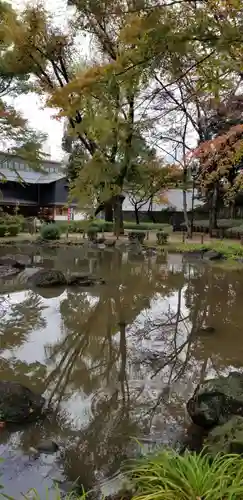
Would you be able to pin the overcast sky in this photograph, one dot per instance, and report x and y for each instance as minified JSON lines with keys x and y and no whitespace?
{"x":31,"y":106}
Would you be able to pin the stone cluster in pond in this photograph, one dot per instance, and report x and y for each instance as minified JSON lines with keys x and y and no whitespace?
{"x":217,"y":407}
{"x":46,"y":278}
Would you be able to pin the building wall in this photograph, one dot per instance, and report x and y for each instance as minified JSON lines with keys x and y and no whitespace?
{"x":61,"y":214}
{"x":12,"y":190}
{"x":61,"y":191}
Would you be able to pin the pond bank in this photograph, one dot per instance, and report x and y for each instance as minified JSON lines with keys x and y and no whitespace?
{"x":221,"y":253}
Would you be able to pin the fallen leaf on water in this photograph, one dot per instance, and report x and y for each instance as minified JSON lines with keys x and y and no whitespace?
{"x":2,"y":425}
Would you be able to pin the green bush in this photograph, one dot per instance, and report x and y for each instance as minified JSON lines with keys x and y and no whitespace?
{"x":3,"y":230}
{"x":235,"y":231}
{"x":147,"y":226}
{"x":137,"y":236}
{"x":50,"y":232}
{"x":168,"y":475}
{"x":6,"y":218}
{"x":13,"y":229}
{"x":162,"y":238}
{"x":108,"y":227}
{"x":92,"y":233}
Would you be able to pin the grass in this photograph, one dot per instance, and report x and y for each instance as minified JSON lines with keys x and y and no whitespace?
{"x":228,"y":249}
{"x":167,"y":475}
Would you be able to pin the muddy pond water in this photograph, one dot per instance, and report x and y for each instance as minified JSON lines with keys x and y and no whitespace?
{"x":116,"y":361}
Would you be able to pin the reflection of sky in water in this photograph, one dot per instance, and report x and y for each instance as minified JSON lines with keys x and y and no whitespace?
{"x":34,"y":350}
{"x":78,"y":404}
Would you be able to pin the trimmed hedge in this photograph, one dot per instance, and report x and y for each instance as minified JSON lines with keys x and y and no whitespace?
{"x":108,"y":227}
{"x":137,"y":236}
{"x":3,"y":230}
{"x":50,"y":232}
{"x":13,"y":229}
{"x":235,"y":231}
{"x":162,"y":238}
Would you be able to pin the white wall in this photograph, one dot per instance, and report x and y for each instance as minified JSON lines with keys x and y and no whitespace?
{"x":77,"y":216}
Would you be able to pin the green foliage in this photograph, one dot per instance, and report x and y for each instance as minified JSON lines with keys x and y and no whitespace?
{"x":148,"y":226}
{"x":229,"y":250}
{"x":13,"y":229}
{"x":6,"y":218}
{"x":3,"y":230}
{"x":92,"y":233}
{"x":235,"y":230}
{"x":137,"y":236}
{"x":162,"y":238}
{"x":50,"y":232}
{"x":108,"y":227}
{"x":168,"y":475}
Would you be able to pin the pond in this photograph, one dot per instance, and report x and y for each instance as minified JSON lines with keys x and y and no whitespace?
{"x":117,"y":361}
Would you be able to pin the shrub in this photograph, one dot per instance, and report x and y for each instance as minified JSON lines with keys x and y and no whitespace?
{"x":92,"y":233}
{"x":13,"y":229}
{"x":169,"y":475}
{"x":3,"y":230}
{"x":147,"y":226}
{"x":137,"y":236}
{"x":162,"y":238}
{"x":50,"y":232}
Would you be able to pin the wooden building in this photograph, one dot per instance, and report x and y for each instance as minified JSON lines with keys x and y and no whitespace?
{"x":43,"y":193}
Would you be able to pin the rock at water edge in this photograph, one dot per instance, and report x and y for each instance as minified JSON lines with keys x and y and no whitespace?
{"x":226,"y":438}
{"x":215,"y":400}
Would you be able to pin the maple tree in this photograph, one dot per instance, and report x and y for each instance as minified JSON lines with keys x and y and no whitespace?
{"x":143,"y":56}
{"x":16,"y":134}
{"x":105,"y":102}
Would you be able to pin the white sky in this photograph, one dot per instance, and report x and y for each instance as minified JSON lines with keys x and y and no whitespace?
{"x":31,"y":106}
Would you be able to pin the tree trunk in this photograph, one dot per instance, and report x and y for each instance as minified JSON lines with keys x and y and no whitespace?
{"x":150,"y":208}
{"x":186,"y":220}
{"x":213,"y":210}
{"x":108,"y":212}
{"x":136,"y":214}
{"x":118,"y":215}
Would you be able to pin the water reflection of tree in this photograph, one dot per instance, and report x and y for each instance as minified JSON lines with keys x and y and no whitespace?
{"x":17,"y":322}
{"x":20,"y":319}
{"x":216,"y":297}
{"x":93,"y":357}
{"x":99,"y":356}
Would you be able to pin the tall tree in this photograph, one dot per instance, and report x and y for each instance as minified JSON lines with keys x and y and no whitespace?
{"x":107,"y":103}
{"x":15,"y":134}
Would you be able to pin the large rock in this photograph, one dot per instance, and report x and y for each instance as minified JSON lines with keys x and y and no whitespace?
{"x":18,"y":403}
{"x":11,"y":262}
{"x":7,"y":271}
{"x":78,"y":279}
{"x":215,"y":400}
{"x":47,"y":278}
{"x":226,"y":438}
